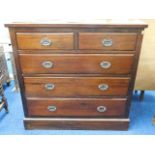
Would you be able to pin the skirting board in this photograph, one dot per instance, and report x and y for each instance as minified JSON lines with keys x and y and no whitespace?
{"x":76,"y":123}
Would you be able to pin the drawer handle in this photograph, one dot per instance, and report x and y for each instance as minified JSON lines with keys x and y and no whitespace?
{"x":46,"y":42}
{"x":103,"y":87}
{"x":49,"y":86}
{"x":52,"y":108}
{"x":101,"y":108}
{"x":107,"y":42}
{"x":47,"y":64}
{"x":105,"y":64}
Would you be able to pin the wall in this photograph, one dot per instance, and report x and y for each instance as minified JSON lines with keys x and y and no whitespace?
{"x":146,"y":70}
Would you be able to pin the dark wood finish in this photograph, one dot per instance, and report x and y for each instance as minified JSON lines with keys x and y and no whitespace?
{"x":73,"y":63}
{"x":33,"y":40}
{"x":127,"y":39}
{"x":121,"y":41}
{"x":76,"y":107}
{"x":77,"y":51}
{"x":76,"y":123}
{"x":77,"y":75}
{"x":75,"y":86}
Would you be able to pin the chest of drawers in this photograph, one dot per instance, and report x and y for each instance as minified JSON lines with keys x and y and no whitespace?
{"x":76,"y":75}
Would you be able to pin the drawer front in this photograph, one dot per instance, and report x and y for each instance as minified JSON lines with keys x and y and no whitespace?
{"x":45,"y":40}
{"x":75,"y":86}
{"x":76,"y":63}
{"x":107,"y":41}
{"x":88,"y":107}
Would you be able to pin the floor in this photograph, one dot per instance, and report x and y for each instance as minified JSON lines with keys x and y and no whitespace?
{"x":141,"y":116}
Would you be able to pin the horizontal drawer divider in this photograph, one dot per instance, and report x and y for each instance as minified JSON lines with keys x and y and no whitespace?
{"x":81,"y":77}
{"x":82,"y":97}
{"x":77,"y":98}
{"x":73,"y":52}
{"x":78,"y":119}
{"x":77,"y":75}
{"x":81,"y":54}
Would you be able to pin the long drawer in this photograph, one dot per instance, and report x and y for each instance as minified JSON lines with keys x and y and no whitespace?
{"x":45,"y":40}
{"x":107,"y":41}
{"x":75,"y":86}
{"x":76,"y":63}
{"x":87,"y":107}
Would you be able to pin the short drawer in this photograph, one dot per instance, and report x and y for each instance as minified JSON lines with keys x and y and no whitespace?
{"x":76,"y":63}
{"x":107,"y":41}
{"x":75,"y":86}
{"x":45,"y":41}
{"x":87,"y":107}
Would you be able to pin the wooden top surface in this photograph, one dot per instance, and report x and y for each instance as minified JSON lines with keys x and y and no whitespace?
{"x":81,"y":23}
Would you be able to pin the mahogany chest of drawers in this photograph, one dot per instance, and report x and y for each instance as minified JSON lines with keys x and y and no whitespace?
{"x":76,"y":75}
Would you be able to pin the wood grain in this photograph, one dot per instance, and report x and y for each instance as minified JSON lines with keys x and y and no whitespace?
{"x":32,"y":40}
{"x":75,"y":86}
{"x":78,"y":64}
{"x":76,"y":107}
{"x":76,"y":123}
{"x":121,"y":41}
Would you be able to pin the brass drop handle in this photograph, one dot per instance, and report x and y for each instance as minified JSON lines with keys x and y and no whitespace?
{"x":47,"y":64}
{"x":107,"y":42}
{"x":105,"y":64}
{"x":46,"y":42}
{"x":101,"y":108}
{"x":49,"y":86}
{"x":52,"y":108}
{"x":103,"y":87}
